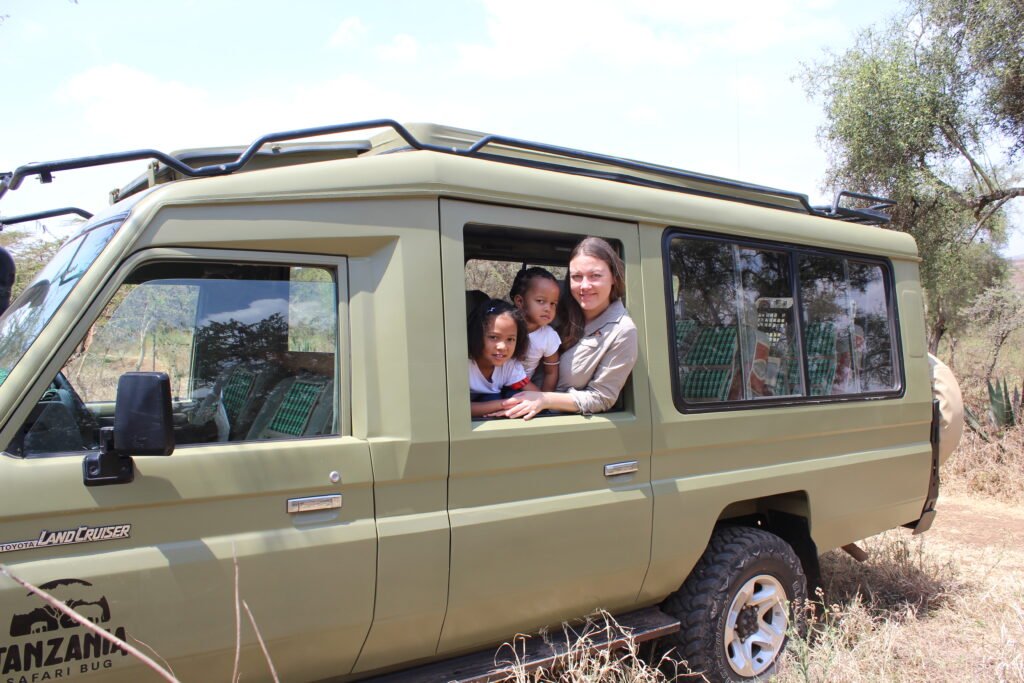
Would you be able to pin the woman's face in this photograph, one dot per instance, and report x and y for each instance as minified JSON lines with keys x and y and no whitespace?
{"x":590,"y":282}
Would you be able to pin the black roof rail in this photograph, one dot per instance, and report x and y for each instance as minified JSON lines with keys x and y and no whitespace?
{"x":641,"y":166}
{"x":41,"y":215}
{"x":46,"y":169}
{"x":704,"y":185}
{"x":871,"y":215}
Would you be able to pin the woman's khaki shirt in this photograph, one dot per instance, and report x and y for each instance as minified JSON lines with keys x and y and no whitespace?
{"x":594,"y":371}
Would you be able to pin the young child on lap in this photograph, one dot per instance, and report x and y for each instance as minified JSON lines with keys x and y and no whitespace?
{"x":535,"y":293}
{"x":498,"y":340}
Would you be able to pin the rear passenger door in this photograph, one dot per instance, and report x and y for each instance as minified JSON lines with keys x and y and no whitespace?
{"x":265,"y":474}
{"x":540,"y":532}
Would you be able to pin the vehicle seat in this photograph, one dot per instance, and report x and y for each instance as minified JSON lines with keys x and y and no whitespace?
{"x":709,"y":365}
{"x":820,"y":347}
{"x":242,"y":388}
{"x":298,"y":406}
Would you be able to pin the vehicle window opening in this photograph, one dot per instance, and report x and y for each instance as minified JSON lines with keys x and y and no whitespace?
{"x":250,"y":351}
{"x":750,"y":323}
{"x":493,"y":256}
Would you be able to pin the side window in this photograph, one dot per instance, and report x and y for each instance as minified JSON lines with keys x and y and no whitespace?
{"x":736,"y":323}
{"x":847,"y":326}
{"x":250,"y":350}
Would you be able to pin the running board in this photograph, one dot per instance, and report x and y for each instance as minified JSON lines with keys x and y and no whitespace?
{"x":532,"y":652}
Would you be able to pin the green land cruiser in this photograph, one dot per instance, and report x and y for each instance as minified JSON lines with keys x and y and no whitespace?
{"x":289,"y":319}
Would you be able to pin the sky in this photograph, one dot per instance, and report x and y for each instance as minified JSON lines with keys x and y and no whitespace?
{"x":712,"y":87}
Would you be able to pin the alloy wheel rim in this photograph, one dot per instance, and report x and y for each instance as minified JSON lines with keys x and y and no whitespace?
{"x":755,"y":628}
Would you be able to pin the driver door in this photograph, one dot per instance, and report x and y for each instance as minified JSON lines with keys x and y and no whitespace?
{"x":266,"y":483}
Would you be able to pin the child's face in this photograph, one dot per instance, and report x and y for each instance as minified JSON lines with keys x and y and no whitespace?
{"x":500,"y":339}
{"x":539,"y":303}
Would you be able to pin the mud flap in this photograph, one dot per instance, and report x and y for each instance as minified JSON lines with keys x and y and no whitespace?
{"x":924,"y":523}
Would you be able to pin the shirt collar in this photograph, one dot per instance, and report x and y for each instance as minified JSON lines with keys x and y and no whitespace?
{"x":612,"y":314}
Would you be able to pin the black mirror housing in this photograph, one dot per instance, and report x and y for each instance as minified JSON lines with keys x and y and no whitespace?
{"x":143,"y":424}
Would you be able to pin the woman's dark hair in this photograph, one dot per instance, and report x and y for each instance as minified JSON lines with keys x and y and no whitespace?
{"x":521,"y":284}
{"x":481,"y":318}
{"x":570,"y":315}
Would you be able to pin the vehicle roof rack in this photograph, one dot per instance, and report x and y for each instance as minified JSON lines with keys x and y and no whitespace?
{"x":276,"y":155}
{"x":491,"y":147}
{"x":42,"y":215}
{"x":876,"y":214}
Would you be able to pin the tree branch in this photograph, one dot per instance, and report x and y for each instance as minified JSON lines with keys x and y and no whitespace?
{"x":999,"y":195}
{"x":954,"y":139}
{"x":983,"y":219}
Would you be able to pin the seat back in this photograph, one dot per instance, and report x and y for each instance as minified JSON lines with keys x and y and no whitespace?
{"x":709,"y":364}
{"x":298,"y":406}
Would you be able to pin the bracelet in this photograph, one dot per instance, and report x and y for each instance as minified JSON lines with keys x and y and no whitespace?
{"x":552,"y":363}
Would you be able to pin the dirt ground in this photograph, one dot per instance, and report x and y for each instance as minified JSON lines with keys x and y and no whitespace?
{"x":986,"y":537}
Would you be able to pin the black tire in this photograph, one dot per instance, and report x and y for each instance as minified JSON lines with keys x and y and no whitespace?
{"x":738,"y":559}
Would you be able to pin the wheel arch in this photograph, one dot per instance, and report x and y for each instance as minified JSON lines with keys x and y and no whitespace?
{"x":788,"y":516}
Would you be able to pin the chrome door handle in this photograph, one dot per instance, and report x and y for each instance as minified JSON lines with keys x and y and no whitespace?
{"x":314,"y":503}
{"x":617,"y":468}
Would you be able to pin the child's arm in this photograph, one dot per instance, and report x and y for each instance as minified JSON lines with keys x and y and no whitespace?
{"x":493,"y":408}
{"x":484,"y":408}
{"x":550,"y":364}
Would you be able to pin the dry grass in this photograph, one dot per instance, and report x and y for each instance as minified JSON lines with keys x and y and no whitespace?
{"x":910,"y":614}
{"x":992,"y":470}
{"x":583,"y":665}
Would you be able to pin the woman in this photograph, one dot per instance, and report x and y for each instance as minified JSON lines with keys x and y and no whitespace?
{"x":599,"y":340}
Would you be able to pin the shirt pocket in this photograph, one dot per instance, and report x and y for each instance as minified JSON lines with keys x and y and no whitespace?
{"x":585,"y":357}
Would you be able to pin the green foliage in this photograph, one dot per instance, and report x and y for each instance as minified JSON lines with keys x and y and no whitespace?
{"x":928,"y":111}
{"x":31,"y":252}
{"x":997,"y":313}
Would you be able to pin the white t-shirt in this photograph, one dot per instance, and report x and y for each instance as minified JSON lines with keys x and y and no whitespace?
{"x":544,"y":342}
{"x":511,"y":374}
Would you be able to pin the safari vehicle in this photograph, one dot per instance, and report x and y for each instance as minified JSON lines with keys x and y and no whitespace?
{"x":290,"y":321}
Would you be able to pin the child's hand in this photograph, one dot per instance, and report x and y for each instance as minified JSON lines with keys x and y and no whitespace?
{"x":525,"y":404}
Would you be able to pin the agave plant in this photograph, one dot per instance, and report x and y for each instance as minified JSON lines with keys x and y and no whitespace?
{"x":1003,"y":407}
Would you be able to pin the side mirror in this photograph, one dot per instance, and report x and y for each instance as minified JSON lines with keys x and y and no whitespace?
{"x":143,"y":425}
{"x":142,"y":414}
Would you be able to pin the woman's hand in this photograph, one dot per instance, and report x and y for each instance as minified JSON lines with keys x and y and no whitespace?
{"x":525,"y":404}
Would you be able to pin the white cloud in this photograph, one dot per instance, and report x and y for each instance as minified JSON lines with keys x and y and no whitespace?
{"x":403,"y":48}
{"x":258,"y":310}
{"x":538,"y":36}
{"x":541,"y":35}
{"x":349,"y":31}
{"x":128,"y":105}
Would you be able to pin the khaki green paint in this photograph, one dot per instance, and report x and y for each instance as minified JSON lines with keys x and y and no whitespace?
{"x":454,"y":534}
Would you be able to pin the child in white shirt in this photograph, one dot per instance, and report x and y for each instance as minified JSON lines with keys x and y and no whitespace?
{"x":535,"y":292}
{"x":497,"y":341}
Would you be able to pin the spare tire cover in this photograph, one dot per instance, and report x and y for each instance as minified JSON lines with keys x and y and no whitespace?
{"x":946,"y":390}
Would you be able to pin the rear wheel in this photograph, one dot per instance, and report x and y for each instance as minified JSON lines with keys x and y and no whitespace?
{"x":738,"y":604}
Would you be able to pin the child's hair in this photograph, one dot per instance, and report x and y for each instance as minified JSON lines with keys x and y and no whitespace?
{"x":521,"y":284}
{"x":481,"y":318}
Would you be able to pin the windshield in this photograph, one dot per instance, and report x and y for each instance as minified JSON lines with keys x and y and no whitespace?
{"x":24,"y":320}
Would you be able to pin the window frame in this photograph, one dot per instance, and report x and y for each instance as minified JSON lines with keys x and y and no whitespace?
{"x":793,"y":251}
{"x":336,"y":265}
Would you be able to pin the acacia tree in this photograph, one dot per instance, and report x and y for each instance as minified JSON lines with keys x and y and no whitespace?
{"x":929,"y":110}
{"x":999,"y":312}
